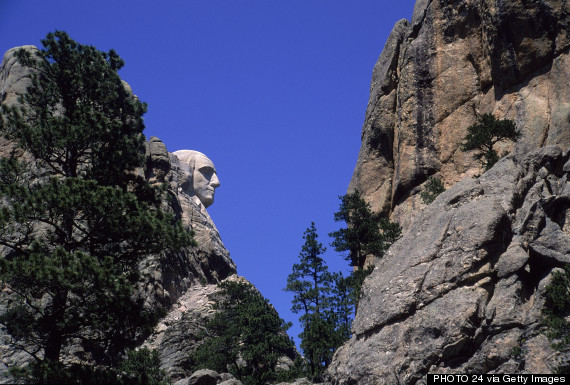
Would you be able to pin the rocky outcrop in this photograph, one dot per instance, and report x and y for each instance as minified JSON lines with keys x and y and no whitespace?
{"x":183,"y":282}
{"x":14,"y":78}
{"x":456,"y":60}
{"x":209,"y":377}
{"x":180,"y":332}
{"x":207,"y":263}
{"x":463,"y":290}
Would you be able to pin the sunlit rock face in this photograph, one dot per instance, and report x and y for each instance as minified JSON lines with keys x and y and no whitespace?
{"x":454,"y":61}
{"x":209,"y":261}
{"x":463,"y":290}
{"x":202,"y":177}
{"x":185,"y":281}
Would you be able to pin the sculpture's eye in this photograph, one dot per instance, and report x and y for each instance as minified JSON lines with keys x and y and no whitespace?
{"x":207,"y":172}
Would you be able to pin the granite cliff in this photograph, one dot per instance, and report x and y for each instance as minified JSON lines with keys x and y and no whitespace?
{"x":463,"y":290}
{"x":456,"y":60}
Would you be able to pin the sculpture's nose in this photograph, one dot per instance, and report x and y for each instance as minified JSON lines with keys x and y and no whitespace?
{"x":215,"y":183}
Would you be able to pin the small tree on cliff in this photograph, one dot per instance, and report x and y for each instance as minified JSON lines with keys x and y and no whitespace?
{"x":433,"y":187}
{"x":75,"y":224}
{"x":556,"y":312}
{"x":484,"y":134}
{"x":366,"y":234}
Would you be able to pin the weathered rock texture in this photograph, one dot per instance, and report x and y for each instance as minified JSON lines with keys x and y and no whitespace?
{"x":455,"y":60}
{"x":183,"y":282}
{"x":462,"y":291}
{"x":209,"y":262}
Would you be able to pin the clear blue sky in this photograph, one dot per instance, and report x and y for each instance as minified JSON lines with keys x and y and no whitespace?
{"x":274,"y":92}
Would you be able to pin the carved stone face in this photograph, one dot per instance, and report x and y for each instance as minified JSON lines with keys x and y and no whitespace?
{"x":202,"y":175}
{"x":205,"y":180}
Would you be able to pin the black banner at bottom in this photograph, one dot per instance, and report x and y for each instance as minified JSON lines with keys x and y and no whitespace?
{"x":524,"y":379}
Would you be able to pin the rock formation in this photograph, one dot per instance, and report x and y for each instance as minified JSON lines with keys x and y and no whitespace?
{"x":462,"y":291}
{"x":209,"y":262}
{"x":187,"y":279}
{"x":456,"y":60}
{"x":184,"y":282}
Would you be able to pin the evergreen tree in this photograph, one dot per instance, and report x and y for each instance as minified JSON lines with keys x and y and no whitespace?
{"x":141,"y":367}
{"x":366,"y":234}
{"x":556,"y":313}
{"x":433,"y":187}
{"x":484,"y":134}
{"x":245,"y":337}
{"x":76,"y":223}
{"x":311,"y":282}
{"x":343,"y":300}
{"x":354,"y":281}
{"x":319,"y":341}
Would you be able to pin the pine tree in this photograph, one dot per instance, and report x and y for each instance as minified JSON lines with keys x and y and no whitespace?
{"x":141,"y":367}
{"x":312,"y":283}
{"x":343,"y":299}
{"x":556,"y":312}
{"x":77,"y":221}
{"x":433,"y":187}
{"x":366,"y":234}
{"x":310,"y":280}
{"x":245,"y":337}
{"x":484,"y":134}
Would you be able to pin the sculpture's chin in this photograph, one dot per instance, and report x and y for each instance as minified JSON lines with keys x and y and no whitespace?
{"x":206,"y":200}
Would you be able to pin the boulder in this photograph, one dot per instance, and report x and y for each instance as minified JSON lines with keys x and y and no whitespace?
{"x":204,"y":377}
{"x":231,"y":381}
{"x":299,"y":381}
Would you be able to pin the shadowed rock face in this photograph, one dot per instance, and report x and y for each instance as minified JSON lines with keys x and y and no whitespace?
{"x":453,"y":61}
{"x":464,"y":287}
